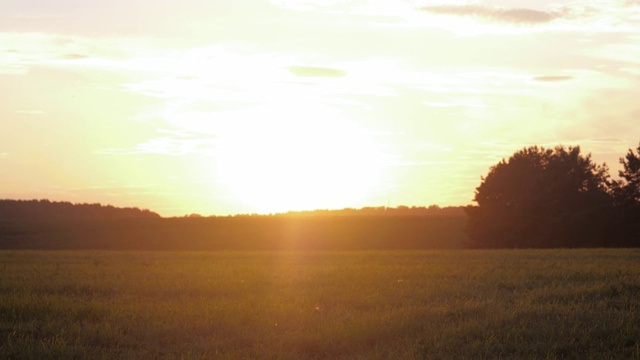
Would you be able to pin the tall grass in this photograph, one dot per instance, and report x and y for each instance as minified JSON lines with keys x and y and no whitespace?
{"x":561,"y":304}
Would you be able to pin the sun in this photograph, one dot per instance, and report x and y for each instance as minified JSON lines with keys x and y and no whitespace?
{"x":289,"y":162}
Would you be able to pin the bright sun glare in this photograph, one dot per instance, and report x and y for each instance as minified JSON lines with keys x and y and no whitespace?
{"x":289,"y":162}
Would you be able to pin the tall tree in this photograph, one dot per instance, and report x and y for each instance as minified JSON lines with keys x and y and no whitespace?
{"x":628,"y":190}
{"x":543,"y":198}
{"x":627,"y":193}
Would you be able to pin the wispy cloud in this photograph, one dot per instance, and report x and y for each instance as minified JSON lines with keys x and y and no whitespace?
{"x":307,"y":5}
{"x":172,"y":146}
{"x":509,"y":15}
{"x":219,"y":76}
{"x":461,"y":104}
{"x":172,"y":143}
{"x":588,"y":16}
{"x":74,"y":56}
{"x":314,"y":71}
{"x":553,"y":78}
{"x":138,"y":56}
{"x":24,"y":51}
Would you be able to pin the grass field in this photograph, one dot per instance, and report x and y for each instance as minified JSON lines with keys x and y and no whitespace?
{"x":447,"y":304}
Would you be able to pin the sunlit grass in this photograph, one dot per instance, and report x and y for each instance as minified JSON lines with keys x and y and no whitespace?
{"x":297,"y":305}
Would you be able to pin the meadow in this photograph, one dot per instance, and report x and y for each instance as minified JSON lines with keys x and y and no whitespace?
{"x":431,"y":304}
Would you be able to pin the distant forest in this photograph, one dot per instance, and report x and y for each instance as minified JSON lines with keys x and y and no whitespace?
{"x":433,"y":210}
{"x":51,"y":210}
{"x":42,"y":224}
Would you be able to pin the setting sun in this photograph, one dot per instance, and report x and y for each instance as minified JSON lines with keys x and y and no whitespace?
{"x":297,"y":162}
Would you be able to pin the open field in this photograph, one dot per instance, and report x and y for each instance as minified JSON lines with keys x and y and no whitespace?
{"x":443,"y":304}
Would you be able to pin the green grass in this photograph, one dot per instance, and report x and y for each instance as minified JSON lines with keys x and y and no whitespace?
{"x":464,"y":304}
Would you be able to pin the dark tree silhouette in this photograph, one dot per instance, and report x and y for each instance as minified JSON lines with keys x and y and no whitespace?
{"x":543,"y":198}
{"x":50,"y":210}
{"x":628,"y":189}
{"x":627,"y":193}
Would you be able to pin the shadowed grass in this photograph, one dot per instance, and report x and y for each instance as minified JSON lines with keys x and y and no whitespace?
{"x":316,"y":305}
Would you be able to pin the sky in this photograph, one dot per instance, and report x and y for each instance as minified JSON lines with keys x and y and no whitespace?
{"x":261,"y":106}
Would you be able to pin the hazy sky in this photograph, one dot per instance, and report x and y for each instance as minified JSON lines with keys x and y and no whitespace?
{"x":241,"y":106}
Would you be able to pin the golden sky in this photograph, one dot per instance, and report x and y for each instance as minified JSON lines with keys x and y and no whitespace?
{"x":223,"y":107}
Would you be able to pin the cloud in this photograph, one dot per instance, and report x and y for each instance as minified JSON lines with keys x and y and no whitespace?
{"x":553,"y":78}
{"x":513,"y":15}
{"x":307,"y":5}
{"x":590,"y":17}
{"x":25,"y":51}
{"x":313,"y":71}
{"x":468,"y":104}
{"x":74,"y":56}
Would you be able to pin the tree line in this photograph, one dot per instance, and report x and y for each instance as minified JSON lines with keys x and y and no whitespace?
{"x":50,"y":210}
{"x":432,"y":210}
{"x":541,"y":197}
